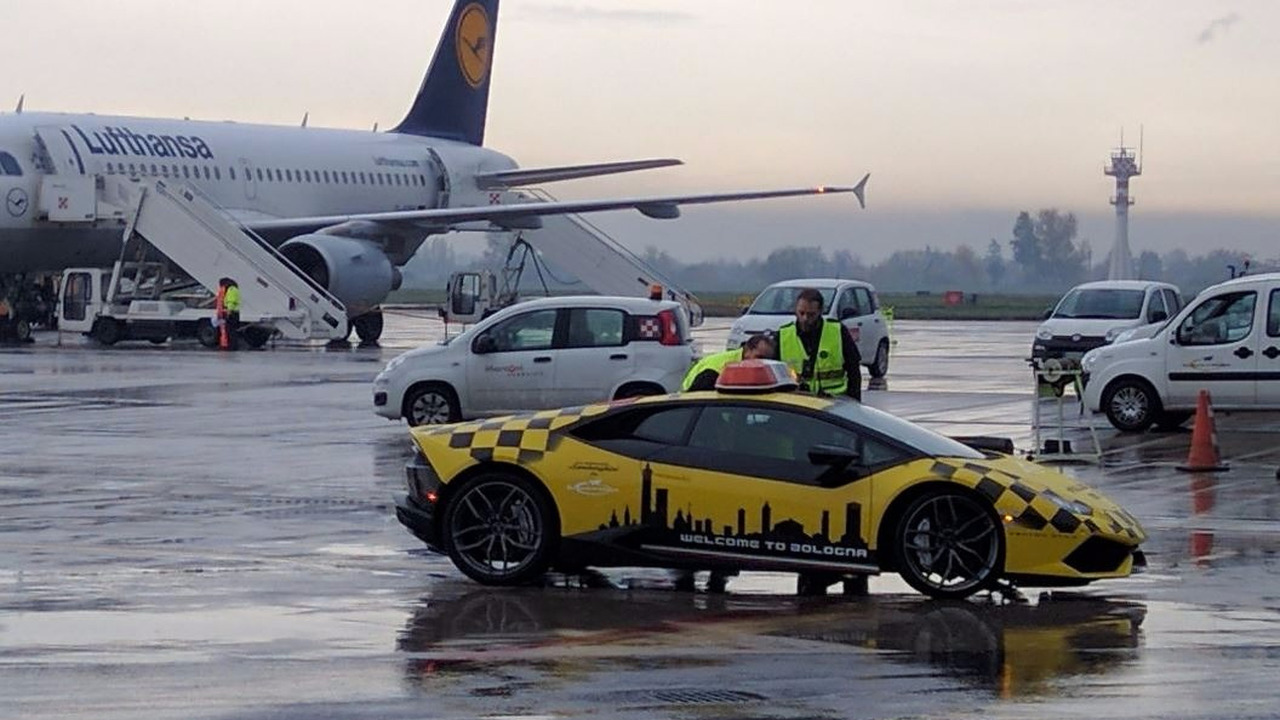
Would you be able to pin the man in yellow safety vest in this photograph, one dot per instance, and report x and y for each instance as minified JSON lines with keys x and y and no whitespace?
{"x":822,"y":353}
{"x":703,"y":375}
{"x":231,"y":300}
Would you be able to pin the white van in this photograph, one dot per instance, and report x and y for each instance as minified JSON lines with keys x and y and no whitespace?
{"x":1096,"y":313}
{"x":852,"y":302}
{"x":1226,"y":341}
{"x":538,"y":355}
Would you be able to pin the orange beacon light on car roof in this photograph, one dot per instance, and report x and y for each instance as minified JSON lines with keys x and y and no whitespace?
{"x":748,"y":376}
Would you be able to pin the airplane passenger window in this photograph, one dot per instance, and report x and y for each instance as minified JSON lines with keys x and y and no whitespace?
{"x":326,"y":177}
{"x":186,"y":172}
{"x":307,"y":174}
{"x":232,"y":170}
{"x":288,"y":175}
{"x":9,"y":164}
{"x":279,"y":175}
{"x":132,"y":169}
{"x":259,"y":173}
{"x":154,"y":171}
{"x":206,"y":172}
{"x":217,"y":173}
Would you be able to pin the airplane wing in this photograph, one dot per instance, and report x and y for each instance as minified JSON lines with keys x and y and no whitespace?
{"x":524,"y":215}
{"x":538,"y":176}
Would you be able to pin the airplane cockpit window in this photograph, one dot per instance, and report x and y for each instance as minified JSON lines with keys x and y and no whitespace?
{"x":9,"y":165}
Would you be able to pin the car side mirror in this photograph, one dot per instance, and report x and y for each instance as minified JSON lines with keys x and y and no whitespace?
{"x":484,"y":344}
{"x":833,"y":456}
{"x":1048,"y":313}
{"x":847,"y":313}
{"x":1158,"y":316}
{"x":744,"y":310}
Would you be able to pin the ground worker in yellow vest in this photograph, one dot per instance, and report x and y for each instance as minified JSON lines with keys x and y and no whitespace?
{"x":231,"y":301}
{"x":703,"y":375}
{"x":823,"y":355}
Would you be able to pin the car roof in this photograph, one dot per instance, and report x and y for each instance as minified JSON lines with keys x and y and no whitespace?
{"x":1249,"y":280}
{"x":630,"y":304}
{"x":822,"y":283}
{"x":890,"y":425}
{"x":1123,"y":285}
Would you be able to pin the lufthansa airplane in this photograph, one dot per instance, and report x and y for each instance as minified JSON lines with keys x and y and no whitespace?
{"x":348,"y":207}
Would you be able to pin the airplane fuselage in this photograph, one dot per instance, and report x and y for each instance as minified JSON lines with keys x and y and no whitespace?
{"x":254,"y":171}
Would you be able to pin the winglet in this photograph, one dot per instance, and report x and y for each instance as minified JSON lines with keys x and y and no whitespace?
{"x":21,"y":99}
{"x":860,"y":190}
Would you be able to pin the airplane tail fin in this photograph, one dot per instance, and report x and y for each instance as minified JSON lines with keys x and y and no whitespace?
{"x":454,"y":97}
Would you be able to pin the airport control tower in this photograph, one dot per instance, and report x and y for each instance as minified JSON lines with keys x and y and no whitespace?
{"x":1124,"y":165}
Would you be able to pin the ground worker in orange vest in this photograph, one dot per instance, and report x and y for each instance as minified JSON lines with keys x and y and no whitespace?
{"x":220,"y":314}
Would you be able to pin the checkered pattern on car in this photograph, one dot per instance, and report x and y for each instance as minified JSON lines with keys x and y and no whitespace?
{"x":518,"y":439}
{"x":1034,"y":508}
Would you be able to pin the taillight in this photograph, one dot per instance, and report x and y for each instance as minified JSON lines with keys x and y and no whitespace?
{"x":670,"y":327}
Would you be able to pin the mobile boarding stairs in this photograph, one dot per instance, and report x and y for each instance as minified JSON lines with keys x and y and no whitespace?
{"x":207,"y":244}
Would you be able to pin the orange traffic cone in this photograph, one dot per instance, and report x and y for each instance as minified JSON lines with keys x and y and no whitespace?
{"x":1204,"y":456}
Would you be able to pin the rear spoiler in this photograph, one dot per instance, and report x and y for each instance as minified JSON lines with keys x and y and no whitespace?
{"x":985,"y":443}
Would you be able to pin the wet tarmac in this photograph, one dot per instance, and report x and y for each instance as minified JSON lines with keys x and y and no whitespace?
{"x":188,"y":534}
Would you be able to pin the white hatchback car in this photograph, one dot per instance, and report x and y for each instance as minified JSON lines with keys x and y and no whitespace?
{"x":1097,"y":313}
{"x":1226,"y":341}
{"x":852,"y":302}
{"x":541,"y":354}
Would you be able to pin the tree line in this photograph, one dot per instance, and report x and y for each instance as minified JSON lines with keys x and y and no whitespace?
{"x":1041,"y":255}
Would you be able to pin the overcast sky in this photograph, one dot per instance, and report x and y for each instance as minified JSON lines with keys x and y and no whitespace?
{"x":964,"y":111}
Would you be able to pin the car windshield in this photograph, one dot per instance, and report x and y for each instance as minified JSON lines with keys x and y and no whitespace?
{"x":926,"y":441}
{"x":779,"y":300}
{"x":1100,"y":304}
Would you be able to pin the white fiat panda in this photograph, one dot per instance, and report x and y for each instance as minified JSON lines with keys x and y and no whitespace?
{"x":1096,"y":313}
{"x":852,"y":302}
{"x":538,"y":355}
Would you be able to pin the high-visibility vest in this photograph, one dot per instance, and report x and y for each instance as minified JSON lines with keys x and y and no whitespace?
{"x":232,"y":299}
{"x":711,"y":362}
{"x":828,"y":371}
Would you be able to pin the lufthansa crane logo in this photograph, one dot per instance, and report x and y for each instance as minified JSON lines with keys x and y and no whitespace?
{"x":475,"y":44}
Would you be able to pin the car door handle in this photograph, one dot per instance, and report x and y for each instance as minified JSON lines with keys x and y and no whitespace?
{"x":618,"y":356}
{"x":1243,"y":352}
{"x":1272,"y":353}
{"x":542,"y":359}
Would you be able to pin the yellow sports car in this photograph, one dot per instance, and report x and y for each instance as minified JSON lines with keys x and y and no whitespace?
{"x":750,"y":477}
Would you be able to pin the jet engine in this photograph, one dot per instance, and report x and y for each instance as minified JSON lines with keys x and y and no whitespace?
{"x":357,"y":272}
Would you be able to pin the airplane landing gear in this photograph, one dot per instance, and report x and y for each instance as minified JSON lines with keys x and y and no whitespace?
{"x":368,"y":326}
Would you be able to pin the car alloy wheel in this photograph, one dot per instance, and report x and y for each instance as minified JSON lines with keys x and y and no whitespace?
{"x":499,"y":530}
{"x":950,"y":545}
{"x":880,"y":366}
{"x":431,"y":406}
{"x":1131,"y":406}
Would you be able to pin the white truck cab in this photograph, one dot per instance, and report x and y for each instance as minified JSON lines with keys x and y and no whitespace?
{"x":541,"y":354}
{"x":1226,"y":341}
{"x":1096,"y":313}
{"x":852,"y":302}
